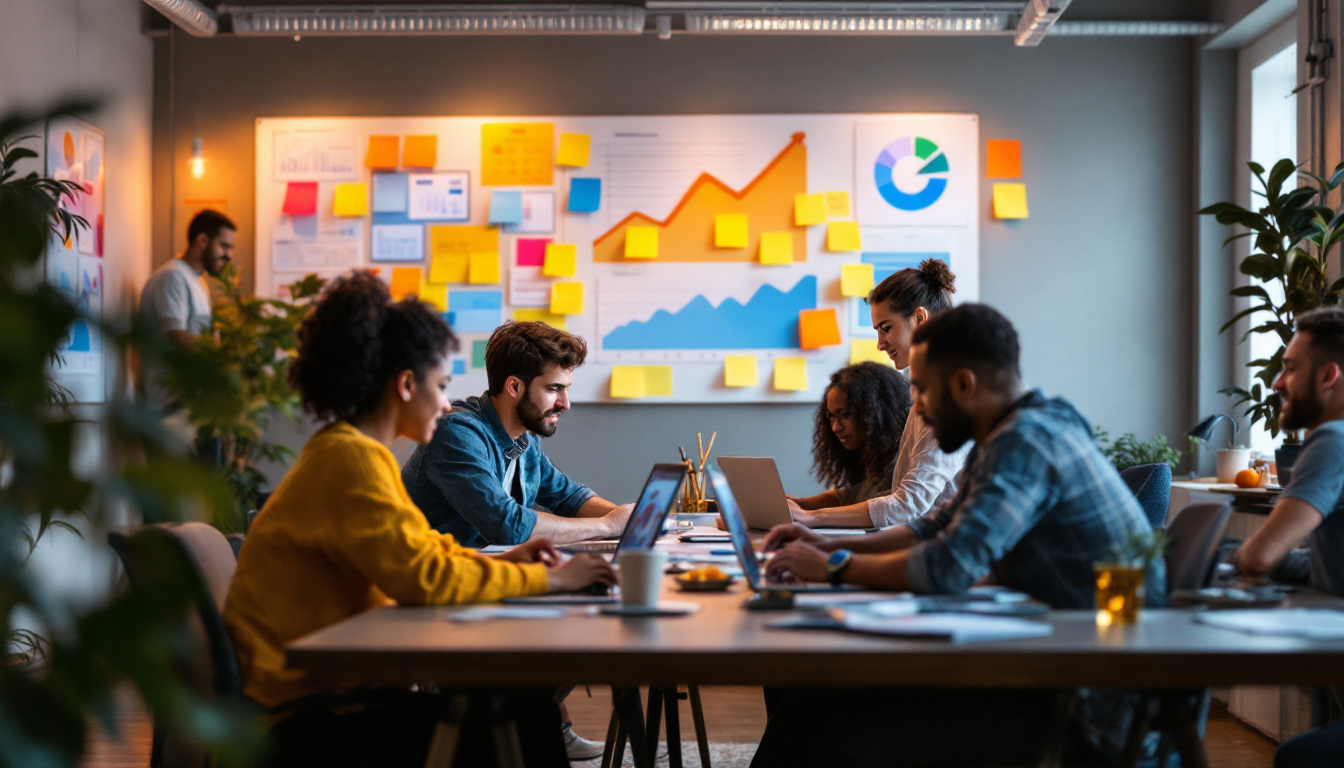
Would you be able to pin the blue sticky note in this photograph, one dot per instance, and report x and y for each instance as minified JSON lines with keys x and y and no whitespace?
{"x":476,"y":311}
{"x":585,"y":195}
{"x":506,"y":207}
{"x":305,"y":226}
{"x":391,"y":192}
{"x":459,"y":367}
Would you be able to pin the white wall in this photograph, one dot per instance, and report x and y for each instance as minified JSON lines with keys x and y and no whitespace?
{"x":55,"y":49}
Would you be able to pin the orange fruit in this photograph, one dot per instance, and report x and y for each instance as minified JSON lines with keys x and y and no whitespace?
{"x":1247,"y":478}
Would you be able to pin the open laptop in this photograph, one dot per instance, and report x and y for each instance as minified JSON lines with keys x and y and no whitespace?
{"x":650,"y":513}
{"x":760,"y":494}
{"x":746,"y":554}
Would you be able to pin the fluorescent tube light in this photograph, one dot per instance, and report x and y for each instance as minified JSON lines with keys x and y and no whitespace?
{"x":437,"y":20}
{"x":1136,"y":28}
{"x":1037,"y":19}
{"x":190,"y":15}
{"x":785,"y":22}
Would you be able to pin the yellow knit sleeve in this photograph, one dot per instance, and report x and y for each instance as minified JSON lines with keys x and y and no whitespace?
{"x":383,"y":535}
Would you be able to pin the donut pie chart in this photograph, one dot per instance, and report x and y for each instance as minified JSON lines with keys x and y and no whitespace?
{"x":934,"y":173}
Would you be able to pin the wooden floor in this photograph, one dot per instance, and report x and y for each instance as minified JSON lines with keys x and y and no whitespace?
{"x":732,"y":715}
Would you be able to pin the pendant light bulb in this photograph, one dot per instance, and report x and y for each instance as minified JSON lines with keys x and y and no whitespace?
{"x":197,"y":158}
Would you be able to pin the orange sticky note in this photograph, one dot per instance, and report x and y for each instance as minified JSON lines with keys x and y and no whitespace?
{"x":843,"y":236}
{"x":561,"y":260}
{"x":776,"y":248}
{"x":421,"y":152}
{"x":818,"y":328}
{"x":567,"y":298}
{"x":484,"y":268}
{"x":641,"y":242}
{"x":809,"y":209}
{"x":405,"y":281}
{"x":1003,"y":159}
{"x":382,"y":152}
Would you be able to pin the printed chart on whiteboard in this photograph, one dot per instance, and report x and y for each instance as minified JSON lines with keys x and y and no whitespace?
{"x":703,"y":258}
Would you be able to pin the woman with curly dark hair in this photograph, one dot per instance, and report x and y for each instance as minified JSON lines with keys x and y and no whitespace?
{"x":340,"y":535}
{"x":923,"y":473}
{"x":856,"y":434}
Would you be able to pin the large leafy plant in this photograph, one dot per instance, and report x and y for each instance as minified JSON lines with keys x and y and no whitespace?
{"x":253,"y":342}
{"x":1129,"y":451}
{"x":1293,"y":236}
{"x":136,"y":637}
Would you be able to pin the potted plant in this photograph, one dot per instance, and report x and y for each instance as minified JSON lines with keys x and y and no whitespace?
{"x":1129,"y":451}
{"x":253,"y":341}
{"x":1293,"y":236}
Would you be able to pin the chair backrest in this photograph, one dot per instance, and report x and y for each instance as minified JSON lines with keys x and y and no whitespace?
{"x":145,"y":552}
{"x":1192,"y":544}
{"x":1151,"y":484}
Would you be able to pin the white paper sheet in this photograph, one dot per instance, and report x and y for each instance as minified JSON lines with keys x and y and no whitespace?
{"x":1308,"y":623}
{"x":397,"y":242}
{"x":439,"y":197}
{"x":958,"y":628}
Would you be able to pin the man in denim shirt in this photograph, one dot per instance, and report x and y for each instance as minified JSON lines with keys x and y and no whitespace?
{"x":481,"y":476}
{"x":1036,"y":506}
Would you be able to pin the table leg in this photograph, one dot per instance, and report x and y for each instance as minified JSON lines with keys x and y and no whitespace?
{"x":630,"y":710}
{"x":653,"y":722}
{"x":671,"y":703}
{"x":447,"y":733}
{"x":1059,"y":742}
{"x":1185,"y":730}
{"x":698,"y":715}
{"x":508,"y":748}
{"x":613,"y":733}
{"x":1138,"y":729}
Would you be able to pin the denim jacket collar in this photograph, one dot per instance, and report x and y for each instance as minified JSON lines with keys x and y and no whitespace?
{"x":511,"y":448}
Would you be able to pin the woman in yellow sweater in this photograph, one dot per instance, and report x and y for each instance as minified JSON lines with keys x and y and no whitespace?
{"x":340,"y":535}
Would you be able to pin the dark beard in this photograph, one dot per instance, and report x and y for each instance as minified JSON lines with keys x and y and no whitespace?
{"x":951,"y":428}
{"x":533,"y":418}
{"x":1303,"y":411}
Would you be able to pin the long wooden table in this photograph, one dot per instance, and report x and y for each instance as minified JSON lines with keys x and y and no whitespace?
{"x":723,"y":644}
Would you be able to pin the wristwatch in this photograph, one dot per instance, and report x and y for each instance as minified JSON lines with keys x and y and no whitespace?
{"x":836,"y":565}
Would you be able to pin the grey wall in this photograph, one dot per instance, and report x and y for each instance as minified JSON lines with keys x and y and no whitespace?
{"x":1096,"y":281}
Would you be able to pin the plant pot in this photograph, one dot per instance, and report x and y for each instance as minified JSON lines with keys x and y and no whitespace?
{"x":1231,"y":461}
{"x":1284,"y":458}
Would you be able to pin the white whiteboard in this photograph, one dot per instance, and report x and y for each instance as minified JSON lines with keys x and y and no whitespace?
{"x":652,"y":166}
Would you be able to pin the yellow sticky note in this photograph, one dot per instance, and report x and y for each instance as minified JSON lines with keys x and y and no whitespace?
{"x":627,"y":381}
{"x":449,"y":268}
{"x":462,"y":238}
{"x":434,"y":294}
{"x":421,"y":152}
{"x":541,"y":316}
{"x":843,"y":236}
{"x":776,"y":248}
{"x":866,"y":351}
{"x":1010,"y":201}
{"x":818,"y":328}
{"x":484,"y":268}
{"x":791,"y":374}
{"x":657,"y":381}
{"x":740,"y":371}
{"x":405,"y":281}
{"x":837,"y":205}
{"x":730,"y":230}
{"x":561,"y":260}
{"x":567,"y":298}
{"x":809,"y":209}
{"x":351,"y":200}
{"x":856,"y":280}
{"x":517,"y":154}
{"x":641,"y":242}
{"x":574,"y":149}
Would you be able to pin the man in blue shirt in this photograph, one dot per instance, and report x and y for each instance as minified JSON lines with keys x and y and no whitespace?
{"x":1311,"y":397}
{"x":1037,"y":505}
{"x":481,"y":476}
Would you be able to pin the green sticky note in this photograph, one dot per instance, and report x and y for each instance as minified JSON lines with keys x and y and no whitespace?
{"x":478,"y":354}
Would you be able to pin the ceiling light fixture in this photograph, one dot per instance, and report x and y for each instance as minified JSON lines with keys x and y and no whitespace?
{"x":1037,"y":19}
{"x":436,"y":20}
{"x":917,"y":18}
{"x":1136,"y":28}
{"x":197,"y":158}
{"x":190,"y":15}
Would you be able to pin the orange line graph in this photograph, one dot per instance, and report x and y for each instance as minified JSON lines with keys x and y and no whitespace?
{"x":688,"y":231}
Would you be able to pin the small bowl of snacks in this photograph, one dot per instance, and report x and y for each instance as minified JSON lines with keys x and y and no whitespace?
{"x":707,"y":579}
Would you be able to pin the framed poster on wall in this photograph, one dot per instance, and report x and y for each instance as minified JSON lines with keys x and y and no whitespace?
{"x":75,"y":152}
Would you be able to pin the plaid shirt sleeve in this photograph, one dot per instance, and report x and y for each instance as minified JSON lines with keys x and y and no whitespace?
{"x":1007,"y":488}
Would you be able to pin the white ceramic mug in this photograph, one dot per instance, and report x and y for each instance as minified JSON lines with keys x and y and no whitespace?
{"x":641,"y":575}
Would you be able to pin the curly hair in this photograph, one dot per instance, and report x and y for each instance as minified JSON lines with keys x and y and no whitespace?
{"x":879,"y":398}
{"x":354,"y":340}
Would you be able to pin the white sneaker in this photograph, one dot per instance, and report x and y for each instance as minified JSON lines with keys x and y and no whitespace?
{"x":579,"y":748}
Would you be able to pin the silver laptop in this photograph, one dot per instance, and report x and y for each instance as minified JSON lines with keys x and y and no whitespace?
{"x":746,"y":554}
{"x":758,"y":491}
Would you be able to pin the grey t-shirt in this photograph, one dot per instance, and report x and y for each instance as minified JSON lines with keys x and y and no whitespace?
{"x":176,"y":297}
{"x":1318,"y":480}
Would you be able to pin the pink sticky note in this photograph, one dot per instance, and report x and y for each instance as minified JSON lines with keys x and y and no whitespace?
{"x":300,"y":198}
{"x":532,"y":251}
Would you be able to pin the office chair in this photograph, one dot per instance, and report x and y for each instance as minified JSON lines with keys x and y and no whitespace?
{"x":1151,"y":485}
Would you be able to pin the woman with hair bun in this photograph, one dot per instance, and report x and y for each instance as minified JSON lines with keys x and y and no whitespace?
{"x":923,"y":474}
{"x":340,"y":536}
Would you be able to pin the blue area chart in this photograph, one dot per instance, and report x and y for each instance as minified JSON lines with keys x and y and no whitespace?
{"x":933,"y":172}
{"x":769,"y":320}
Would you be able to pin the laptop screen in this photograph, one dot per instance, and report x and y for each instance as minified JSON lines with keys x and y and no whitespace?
{"x":655,"y":501}
{"x":737,"y":527}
